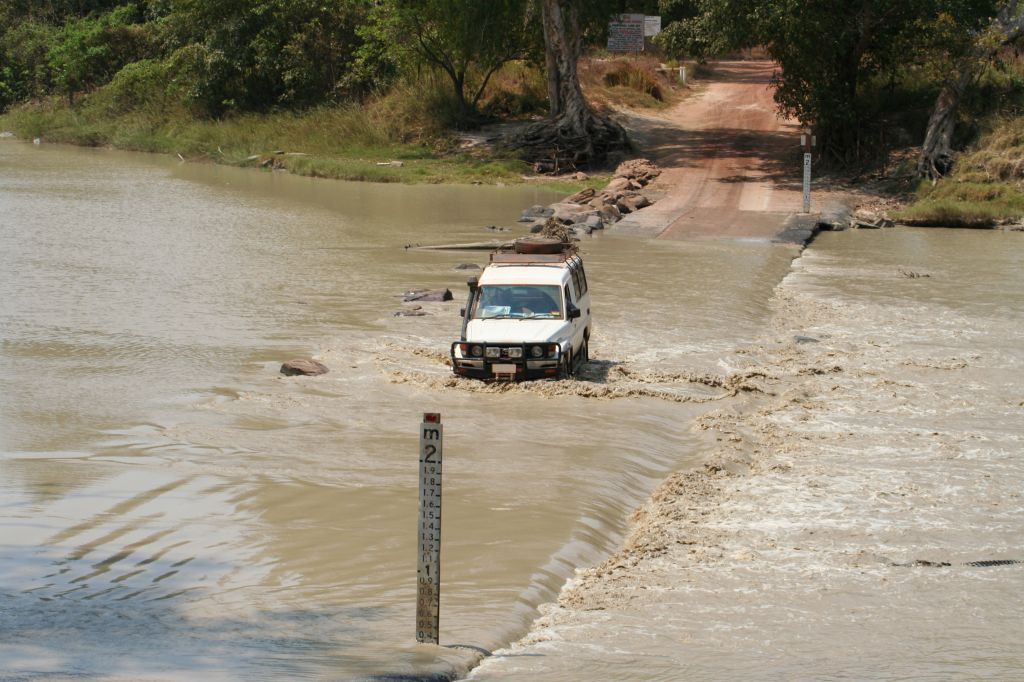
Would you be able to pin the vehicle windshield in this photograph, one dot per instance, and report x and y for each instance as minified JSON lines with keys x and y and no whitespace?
{"x":518,"y":301}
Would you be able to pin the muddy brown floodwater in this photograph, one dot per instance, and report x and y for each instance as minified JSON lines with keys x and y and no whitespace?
{"x":171,"y":507}
{"x":859,"y":518}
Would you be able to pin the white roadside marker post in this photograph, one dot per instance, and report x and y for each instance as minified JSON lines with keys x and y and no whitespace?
{"x":807,"y":141}
{"x":428,"y":569}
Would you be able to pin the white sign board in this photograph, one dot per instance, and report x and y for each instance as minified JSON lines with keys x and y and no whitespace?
{"x":652,"y":26}
{"x":626,"y":33}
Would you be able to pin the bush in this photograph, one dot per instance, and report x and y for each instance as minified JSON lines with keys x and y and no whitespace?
{"x":24,"y":54}
{"x":262,"y":54}
{"x":139,"y":85}
{"x":634,"y":78}
{"x":516,"y":90}
{"x":87,"y":52}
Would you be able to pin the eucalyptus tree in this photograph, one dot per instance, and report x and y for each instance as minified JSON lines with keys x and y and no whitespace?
{"x":573,"y":135}
{"x":1005,"y":28}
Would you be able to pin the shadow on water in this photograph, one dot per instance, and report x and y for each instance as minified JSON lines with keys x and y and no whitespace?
{"x":46,"y":639}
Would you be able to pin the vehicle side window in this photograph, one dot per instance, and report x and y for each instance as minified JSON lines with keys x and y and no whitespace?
{"x":576,"y":283}
{"x":583,"y":279}
{"x":568,"y":296}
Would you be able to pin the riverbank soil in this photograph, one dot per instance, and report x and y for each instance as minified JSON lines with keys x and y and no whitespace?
{"x":858,"y":512}
{"x":731,"y":168}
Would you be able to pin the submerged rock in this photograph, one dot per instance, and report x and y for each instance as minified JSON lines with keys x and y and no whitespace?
{"x":303,"y":367}
{"x":536,"y":211}
{"x":427,"y":295}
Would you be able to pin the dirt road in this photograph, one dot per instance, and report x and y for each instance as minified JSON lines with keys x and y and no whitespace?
{"x":730,"y":165}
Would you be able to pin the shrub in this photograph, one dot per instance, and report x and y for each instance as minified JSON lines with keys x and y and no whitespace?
{"x":88,"y":51}
{"x":138,"y":85}
{"x":26,"y":70}
{"x":517,"y":90}
{"x":635,"y":79}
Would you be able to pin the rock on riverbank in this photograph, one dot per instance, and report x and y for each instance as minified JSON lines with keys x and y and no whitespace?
{"x":591,"y":209}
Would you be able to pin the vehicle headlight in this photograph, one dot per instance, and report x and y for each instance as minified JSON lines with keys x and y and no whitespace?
{"x":536,"y":351}
{"x":515,"y":352}
{"x":493,"y":352}
{"x":476,"y":351}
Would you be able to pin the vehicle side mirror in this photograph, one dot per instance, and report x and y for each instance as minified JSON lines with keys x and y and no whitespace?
{"x":574,"y":312}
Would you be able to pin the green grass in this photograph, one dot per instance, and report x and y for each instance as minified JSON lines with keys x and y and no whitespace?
{"x":986,"y":187}
{"x":404,"y":169}
{"x":956,"y":203}
{"x":326,"y":142}
{"x":394,"y":138}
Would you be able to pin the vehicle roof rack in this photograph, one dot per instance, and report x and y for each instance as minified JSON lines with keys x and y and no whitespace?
{"x":539,"y":251}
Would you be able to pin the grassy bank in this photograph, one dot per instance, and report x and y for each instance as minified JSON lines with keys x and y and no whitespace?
{"x":986,"y":188}
{"x":402,"y":135}
{"x":376,"y":143}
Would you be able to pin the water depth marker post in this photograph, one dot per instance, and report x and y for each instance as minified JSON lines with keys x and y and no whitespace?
{"x":428,"y":569}
{"x":807,"y":142}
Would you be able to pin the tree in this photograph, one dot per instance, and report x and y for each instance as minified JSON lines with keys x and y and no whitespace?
{"x":258,"y":54}
{"x":467,"y":39}
{"x":573,"y":135}
{"x":1006,"y":28}
{"x":831,"y":53}
{"x":24,"y":54}
{"x":704,"y":28}
{"x":90,"y":50}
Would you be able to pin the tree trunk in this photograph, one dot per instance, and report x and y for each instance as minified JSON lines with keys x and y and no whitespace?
{"x":554,"y":87}
{"x":937,"y":152}
{"x":573,"y":136}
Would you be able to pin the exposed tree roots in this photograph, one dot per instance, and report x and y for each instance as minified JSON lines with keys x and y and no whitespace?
{"x":565,"y":143}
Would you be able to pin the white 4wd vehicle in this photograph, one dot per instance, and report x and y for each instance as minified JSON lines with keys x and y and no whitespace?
{"x":528,"y":315}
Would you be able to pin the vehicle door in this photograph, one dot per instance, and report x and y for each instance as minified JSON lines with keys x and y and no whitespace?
{"x":582,"y":298}
{"x":578,"y":325}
